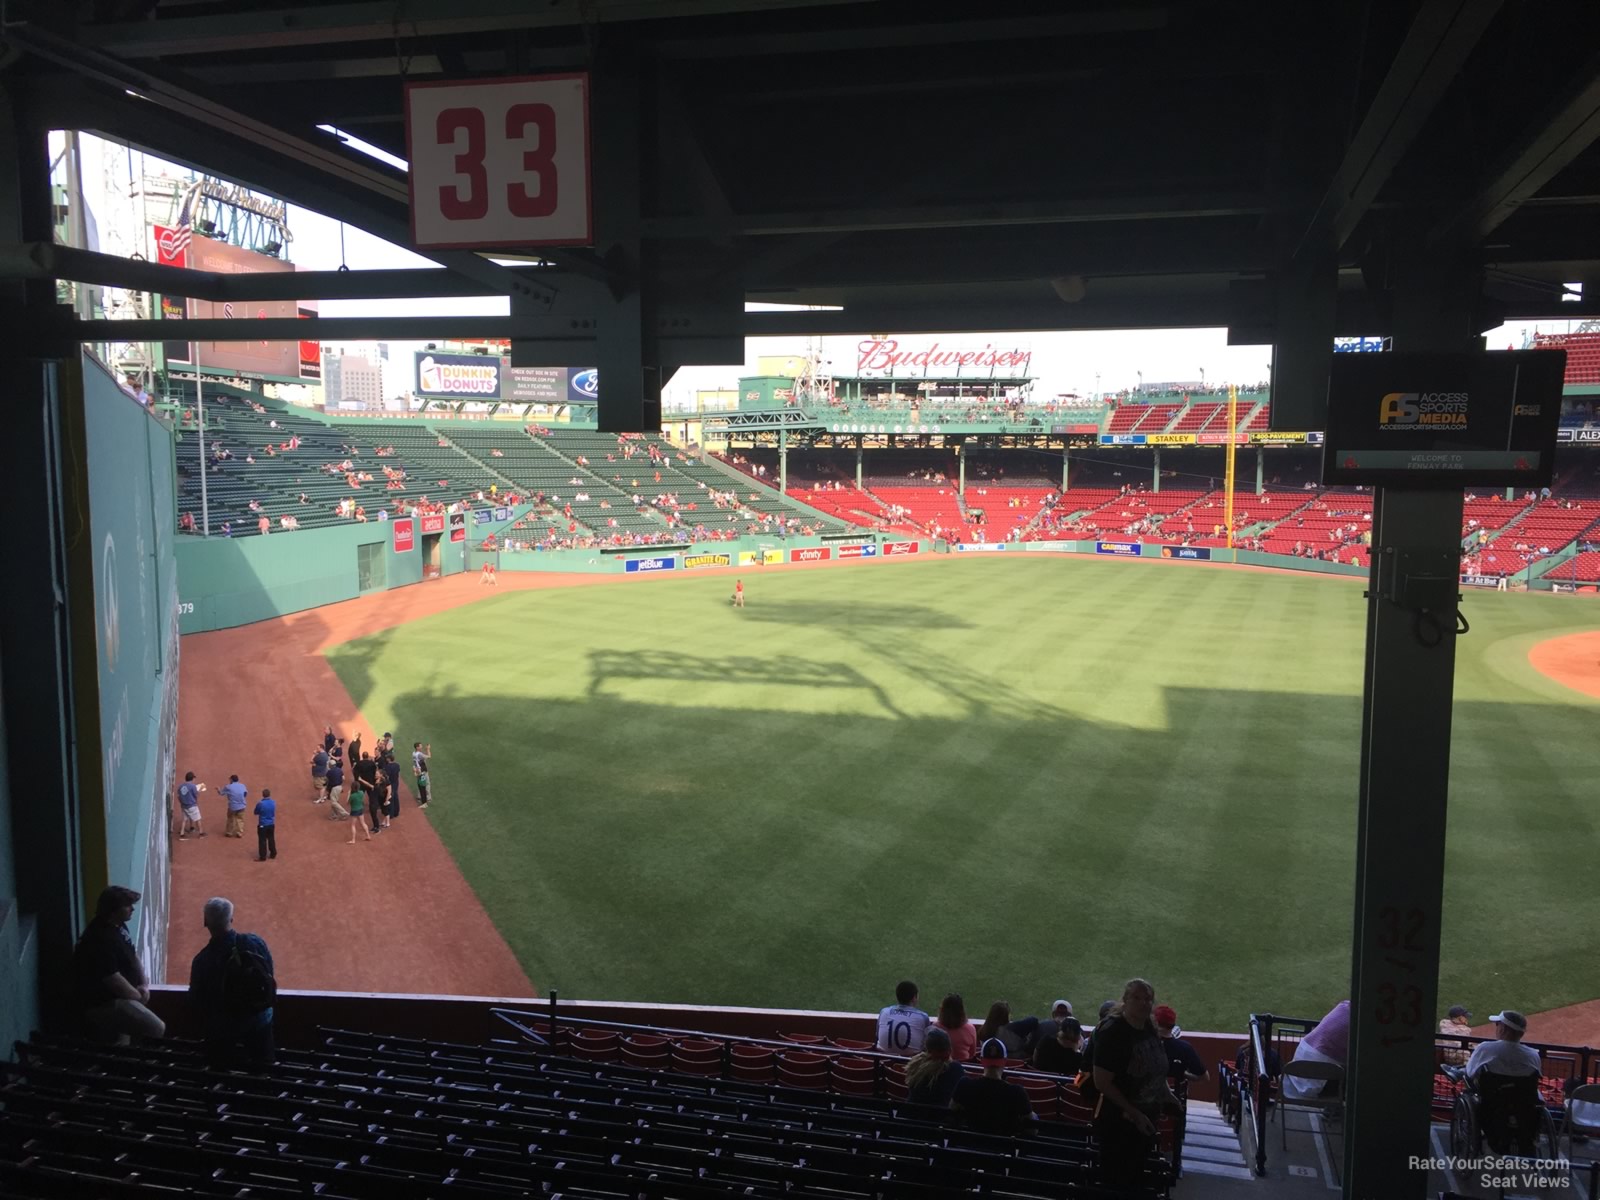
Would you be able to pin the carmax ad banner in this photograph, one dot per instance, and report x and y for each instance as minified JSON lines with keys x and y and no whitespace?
{"x":1122,"y":549}
{"x":441,"y":376}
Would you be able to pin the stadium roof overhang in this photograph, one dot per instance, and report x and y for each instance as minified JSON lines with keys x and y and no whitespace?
{"x":1075,"y":165}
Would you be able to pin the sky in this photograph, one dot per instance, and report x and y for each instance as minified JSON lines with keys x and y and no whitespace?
{"x":1064,"y":362}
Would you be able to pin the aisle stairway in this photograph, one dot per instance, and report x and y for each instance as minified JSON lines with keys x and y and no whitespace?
{"x":1210,"y":1145}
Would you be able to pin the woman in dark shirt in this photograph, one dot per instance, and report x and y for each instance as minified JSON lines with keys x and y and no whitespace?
{"x":1062,"y":1054}
{"x":931,"y":1076}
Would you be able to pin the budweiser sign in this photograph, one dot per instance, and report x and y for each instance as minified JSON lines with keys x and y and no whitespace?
{"x":885,"y":354}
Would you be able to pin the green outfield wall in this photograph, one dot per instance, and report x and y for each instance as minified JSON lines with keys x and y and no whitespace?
{"x":131,"y":522}
{"x":225,"y":582}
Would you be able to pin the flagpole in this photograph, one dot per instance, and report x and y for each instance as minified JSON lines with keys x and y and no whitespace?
{"x":200,"y":413}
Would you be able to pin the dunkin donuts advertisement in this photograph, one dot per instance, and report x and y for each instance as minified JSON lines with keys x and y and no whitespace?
{"x":442,"y":376}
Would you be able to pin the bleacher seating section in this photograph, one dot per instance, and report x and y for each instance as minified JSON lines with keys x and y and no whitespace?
{"x":364,"y":1115}
{"x":1583,"y":354}
{"x":1197,"y":417}
{"x":929,"y":506}
{"x":1581,"y":568}
{"x":459,"y":464}
{"x":276,"y":481}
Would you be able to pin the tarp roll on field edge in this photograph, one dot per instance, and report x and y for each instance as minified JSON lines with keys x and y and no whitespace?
{"x":132,"y":524}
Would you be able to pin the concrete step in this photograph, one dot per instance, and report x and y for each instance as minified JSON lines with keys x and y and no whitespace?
{"x":1210,"y":1145}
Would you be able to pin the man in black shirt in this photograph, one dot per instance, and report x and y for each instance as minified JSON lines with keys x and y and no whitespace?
{"x":990,"y":1104}
{"x":108,"y":981}
{"x":1183,"y":1062}
{"x":1130,"y":1073}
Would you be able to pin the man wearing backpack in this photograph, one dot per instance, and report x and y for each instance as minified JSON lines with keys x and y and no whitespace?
{"x":232,"y":985}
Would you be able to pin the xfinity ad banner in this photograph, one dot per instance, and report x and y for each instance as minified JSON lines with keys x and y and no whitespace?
{"x":811,"y":554}
{"x":1443,"y":420}
{"x":441,"y":376}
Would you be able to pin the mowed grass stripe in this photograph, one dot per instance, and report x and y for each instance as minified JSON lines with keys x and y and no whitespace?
{"x":1015,"y":779}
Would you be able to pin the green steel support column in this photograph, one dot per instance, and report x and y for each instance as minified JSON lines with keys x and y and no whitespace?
{"x":1156,"y":469}
{"x":1066,"y":465}
{"x":1511,"y":493}
{"x":961,"y":468}
{"x":1404,"y":783}
{"x":859,"y":456}
{"x":783,"y":460}
{"x":1261,"y":470}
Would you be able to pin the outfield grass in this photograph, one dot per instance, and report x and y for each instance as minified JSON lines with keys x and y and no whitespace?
{"x":1012,"y":779}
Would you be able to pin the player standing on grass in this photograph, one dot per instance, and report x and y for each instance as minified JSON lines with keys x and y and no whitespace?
{"x":738,"y":593}
{"x":419,"y":769}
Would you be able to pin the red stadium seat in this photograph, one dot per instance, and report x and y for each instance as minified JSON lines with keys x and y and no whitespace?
{"x":647,"y":1050}
{"x":803,"y":1069}
{"x":1042,"y":1096}
{"x":855,"y":1076}
{"x":697,"y":1056}
{"x":894,"y":1080}
{"x":852,"y":1044}
{"x":756,"y":1064}
{"x":597,"y":1045}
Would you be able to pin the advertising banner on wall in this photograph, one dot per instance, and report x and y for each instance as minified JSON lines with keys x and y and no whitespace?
{"x":458,"y":527}
{"x":1120,"y":549}
{"x":811,"y":554}
{"x":896,"y":548}
{"x":433,"y":523}
{"x":583,"y":385}
{"x":753,"y":558}
{"x":708,"y":560}
{"x":665,"y":562}
{"x":403,"y":536}
{"x":533,"y":385}
{"x":979,"y":547}
{"x":859,"y":551}
{"x":441,"y":376}
{"x":1198,"y":553}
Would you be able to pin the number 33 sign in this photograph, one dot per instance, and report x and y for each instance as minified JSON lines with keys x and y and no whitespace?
{"x":501,"y":162}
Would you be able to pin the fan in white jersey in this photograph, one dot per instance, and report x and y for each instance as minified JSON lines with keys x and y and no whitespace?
{"x":902,"y":1026}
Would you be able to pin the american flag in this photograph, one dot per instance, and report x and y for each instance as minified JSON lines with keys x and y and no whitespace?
{"x":172,"y":244}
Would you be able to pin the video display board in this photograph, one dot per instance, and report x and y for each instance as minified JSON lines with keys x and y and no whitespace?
{"x":1443,"y":420}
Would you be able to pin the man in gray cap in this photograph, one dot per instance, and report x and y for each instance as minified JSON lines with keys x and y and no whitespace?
{"x":1506,"y":1055}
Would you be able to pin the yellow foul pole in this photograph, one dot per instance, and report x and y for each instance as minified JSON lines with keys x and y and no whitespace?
{"x":1227,"y":482}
